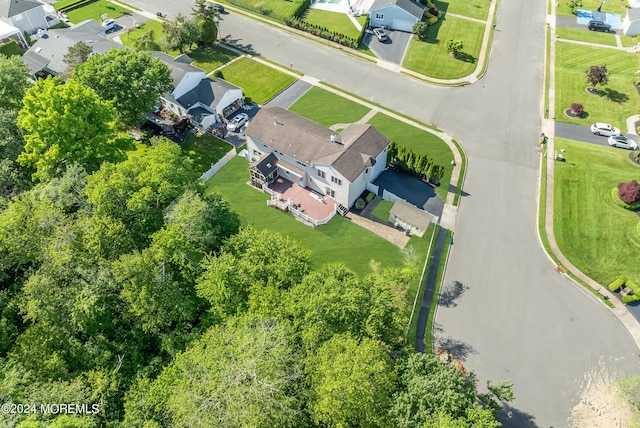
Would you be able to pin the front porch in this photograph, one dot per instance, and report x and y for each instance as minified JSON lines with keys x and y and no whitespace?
{"x":305,"y":204}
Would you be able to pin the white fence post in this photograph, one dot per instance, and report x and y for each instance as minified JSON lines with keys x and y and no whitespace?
{"x":218,"y":165}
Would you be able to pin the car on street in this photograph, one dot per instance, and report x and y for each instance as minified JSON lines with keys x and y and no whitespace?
{"x":380,"y":34}
{"x":622,"y":142}
{"x":604,"y":129}
{"x":237,"y":122}
{"x":595,"y":25}
{"x":109,"y":24}
{"x":217,"y":6}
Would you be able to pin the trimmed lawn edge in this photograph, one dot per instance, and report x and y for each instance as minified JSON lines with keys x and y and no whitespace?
{"x":442,"y":267}
{"x":463,"y":172}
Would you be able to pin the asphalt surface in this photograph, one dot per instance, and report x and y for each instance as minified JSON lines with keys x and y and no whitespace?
{"x":412,"y":190}
{"x":290,"y":95}
{"x":512,"y":316}
{"x":393,"y":49}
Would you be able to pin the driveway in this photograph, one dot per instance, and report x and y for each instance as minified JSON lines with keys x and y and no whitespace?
{"x":412,"y":190}
{"x":290,"y":95}
{"x":393,"y":49}
{"x":128,"y":20}
{"x":583,"y":133}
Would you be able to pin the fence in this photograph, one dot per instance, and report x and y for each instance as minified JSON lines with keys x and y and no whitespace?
{"x":218,"y":165}
{"x":306,"y":219}
{"x":388,"y":196}
{"x":372,"y":188}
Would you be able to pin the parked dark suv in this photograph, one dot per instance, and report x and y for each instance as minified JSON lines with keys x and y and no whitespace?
{"x":599,"y":26}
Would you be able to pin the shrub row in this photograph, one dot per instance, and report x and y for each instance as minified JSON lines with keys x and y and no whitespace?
{"x":302,"y":8}
{"x":75,"y":5}
{"x":10,"y":48}
{"x":619,"y":282}
{"x":414,"y":164}
{"x":323,"y":32}
{"x":630,"y":298}
{"x":619,"y":202}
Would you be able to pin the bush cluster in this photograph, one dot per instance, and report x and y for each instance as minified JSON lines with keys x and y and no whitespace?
{"x":619,"y":282}
{"x":629,"y":192}
{"x":323,"y":32}
{"x":418,"y":165}
{"x":630,"y":298}
{"x":576,"y":109}
{"x":619,"y":202}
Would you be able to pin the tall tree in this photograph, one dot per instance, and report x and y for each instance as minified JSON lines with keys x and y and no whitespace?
{"x":242,"y":374}
{"x":208,"y":18}
{"x":137,"y":190}
{"x":351,"y":383}
{"x":64,"y":124}
{"x":573,"y":4}
{"x":13,"y":81}
{"x":133,"y":80}
{"x":181,"y":33}
{"x":77,"y":54}
{"x":13,"y":177}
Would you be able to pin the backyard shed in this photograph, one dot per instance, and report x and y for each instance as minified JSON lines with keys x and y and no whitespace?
{"x":399,"y":15}
{"x":631,"y":22}
{"x":409,"y":217}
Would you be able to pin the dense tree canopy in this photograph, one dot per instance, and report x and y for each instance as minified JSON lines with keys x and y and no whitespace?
{"x":65,"y":124}
{"x":77,"y":54}
{"x":181,"y":33}
{"x":133,"y":80}
{"x":13,"y":81}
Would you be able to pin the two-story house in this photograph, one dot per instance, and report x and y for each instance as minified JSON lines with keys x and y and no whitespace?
{"x":337,"y":165}
{"x":28,"y":15}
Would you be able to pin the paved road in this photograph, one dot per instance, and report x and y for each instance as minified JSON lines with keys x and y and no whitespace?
{"x":514,"y":317}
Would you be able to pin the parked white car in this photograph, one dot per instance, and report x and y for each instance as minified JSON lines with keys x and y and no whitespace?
{"x":237,"y":122}
{"x":109,"y":24}
{"x":622,"y":142}
{"x":380,"y":34}
{"x":604,"y":129}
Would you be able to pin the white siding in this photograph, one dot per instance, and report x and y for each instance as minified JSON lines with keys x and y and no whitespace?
{"x":30,"y":20}
{"x":230,"y":97}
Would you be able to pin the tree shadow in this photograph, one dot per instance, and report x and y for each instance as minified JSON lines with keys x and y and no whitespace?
{"x":441,"y":5}
{"x":460,"y":349}
{"x":465,"y":57}
{"x":451,"y":293}
{"x":235,"y":42}
{"x":511,"y":417}
{"x":432,"y":32}
{"x":615,"y":96}
{"x":453,"y":189}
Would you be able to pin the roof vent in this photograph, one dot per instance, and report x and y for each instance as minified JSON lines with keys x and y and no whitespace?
{"x":275,"y":121}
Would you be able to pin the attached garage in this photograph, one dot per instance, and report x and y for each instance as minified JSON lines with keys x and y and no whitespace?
{"x":400,"y":15}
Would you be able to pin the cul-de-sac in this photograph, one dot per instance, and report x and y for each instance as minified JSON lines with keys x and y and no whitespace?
{"x":319,"y":213}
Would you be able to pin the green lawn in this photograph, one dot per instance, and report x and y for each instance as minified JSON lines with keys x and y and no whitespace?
{"x":95,"y":10}
{"x":381,"y":210}
{"x":276,"y":9}
{"x":612,"y":6}
{"x":152,"y":25}
{"x":586,"y":36}
{"x":332,"y":21}
{"x":338,"y":241}
{"x":258,"y":81}
{"x":628,"y":41}
{"x":327,"y":108}
{"x":204,"y":150}
{"x":420,"y":142}
{"x":430,"y":57}
{"x":597,"y":236}
{"x":615,"y":102}
{"x":472,"y":8}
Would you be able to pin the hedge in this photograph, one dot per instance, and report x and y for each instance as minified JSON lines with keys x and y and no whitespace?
{"x":632,"y":285}
{"x":619,"y":282}
{"x":301,"y":9}
{"x":10,"y":48}
{"x":622,"y":204}
{"x":75,"y":5}
{"x":324,"y":32}
{"x":630,"y":298}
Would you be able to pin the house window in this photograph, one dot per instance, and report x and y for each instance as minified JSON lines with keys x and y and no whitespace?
{"x":336,"y":180}
{"x":366,"y":171}
{"x":331,"y":193}
{"x":321,"y":174}
{"x":256,"y":153}
{"x":380,"y":16}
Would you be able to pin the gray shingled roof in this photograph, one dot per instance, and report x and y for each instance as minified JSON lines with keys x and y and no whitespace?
{"x":206,"y":92}
{"x":309,"y":142}
{"x":266,"y":164}
{"x":9,"y":8}
{"x":412,"y":7}
{"x":50,"y":51}
{"x":411,"y":214}
{"x":180,"y":65}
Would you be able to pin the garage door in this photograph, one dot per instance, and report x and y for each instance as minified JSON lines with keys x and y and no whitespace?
{"x":401,"y":25}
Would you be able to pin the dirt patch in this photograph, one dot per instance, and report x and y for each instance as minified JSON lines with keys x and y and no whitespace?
{"x":449,"y":358}
{"x":601,"y":404}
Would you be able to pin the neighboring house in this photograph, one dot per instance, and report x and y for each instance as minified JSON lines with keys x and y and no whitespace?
{"x":9,"y":32}
{"x":410,"y":218}
{"x":28,"y":15}
{"x":281,"y":143}
{"x":204,"y":100}
{"x":399,"y":15}
{"x":46,"y":56}
{"x":631,"y":22}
